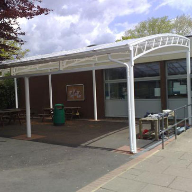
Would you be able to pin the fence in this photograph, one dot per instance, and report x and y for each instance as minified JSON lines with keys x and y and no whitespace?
{"x":174,"y":126}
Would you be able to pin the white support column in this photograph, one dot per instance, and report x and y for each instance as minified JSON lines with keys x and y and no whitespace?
{"x":188,"y":83}
{"x":129,"y":110}
{"x":94,"y":96}
{"x":50,"y":92}
{"x":132,"y":102}
{"x":27,"y":103}
{"x":16,"y":93}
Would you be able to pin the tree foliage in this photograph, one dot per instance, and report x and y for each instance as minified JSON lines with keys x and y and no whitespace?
{"x":16,"y":53}
{"x":7,"y":96}
{"x":10,"y":12}
{"x":181,"y":25}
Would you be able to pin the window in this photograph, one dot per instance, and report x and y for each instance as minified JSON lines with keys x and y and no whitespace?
{"x":116,"y":90}
{"x":116,"y":73}
{"x":140,"y":70}
{"x":116,"y":83}
{"x":176,"y":67}
{"x":146,"y":70}
{"x":177,"y":88}
{"x":147,"y":90}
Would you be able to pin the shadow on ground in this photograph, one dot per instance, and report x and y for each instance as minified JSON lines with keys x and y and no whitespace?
{"x":73,"y":133}
{"x":106,"y":135}
{"x":64,"y":158}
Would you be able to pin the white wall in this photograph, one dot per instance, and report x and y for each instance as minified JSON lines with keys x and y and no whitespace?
{"x":175,"y":103}
{"x":147,"y":105}
{"x":118,"y":108}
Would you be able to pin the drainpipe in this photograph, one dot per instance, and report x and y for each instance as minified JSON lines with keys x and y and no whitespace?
{"x":16,"y":93}
{"x":94,"y":95}
{"x":50,"y":92}
{"x":188,"y":63}
{"x":130,"y":96}
{"x":27,"y":103}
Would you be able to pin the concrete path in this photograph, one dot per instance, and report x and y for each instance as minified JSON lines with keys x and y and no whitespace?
{"x":168,"y":170}
{"x":27,"y":166}
{"x":64,"y":158}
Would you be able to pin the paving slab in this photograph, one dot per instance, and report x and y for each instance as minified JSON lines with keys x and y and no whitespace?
{"x":178,"y":171}
{"x":168,"y":170}
{"x":124,"y":185}
{"x":154,"y":159}
{"x":182,"y":184}
{"x":175,"y":162}
{"x":133,"y":171}
{"x":186,"y":156}
{"x":151,"y":167}
{"x":190,"y":166}
{"x":170,"y":154}
{"x":104,"y":190}
{"x":182,"y":144}
{"x":156,"y":188}
{"x":127,"y":175}
{"x":155,"y":178}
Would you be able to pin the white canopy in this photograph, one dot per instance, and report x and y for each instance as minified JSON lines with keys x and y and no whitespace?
{"x":94,"y":57}
{"x":118,"y":54}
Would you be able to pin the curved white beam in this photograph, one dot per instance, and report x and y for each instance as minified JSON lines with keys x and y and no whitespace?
{"x":144,"y":46}
{"x":143,"y":39}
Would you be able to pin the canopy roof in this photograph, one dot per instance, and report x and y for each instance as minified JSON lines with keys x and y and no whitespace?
{"x":89,"y":58}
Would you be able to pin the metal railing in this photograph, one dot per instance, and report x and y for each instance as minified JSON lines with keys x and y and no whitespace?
{"x":174,"y":126}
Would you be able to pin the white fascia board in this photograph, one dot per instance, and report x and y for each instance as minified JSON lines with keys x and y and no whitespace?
{"x":31,"y":69}
{"x":65,"y":71}
{"x":65,"y":57}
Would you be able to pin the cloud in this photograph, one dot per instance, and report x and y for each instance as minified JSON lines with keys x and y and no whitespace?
{"x":177,"y":4}
{"x":73,"y":23}
{"x":124,"y":26}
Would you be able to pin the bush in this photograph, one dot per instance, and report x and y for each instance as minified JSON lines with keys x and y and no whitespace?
{"x":7,"y":93}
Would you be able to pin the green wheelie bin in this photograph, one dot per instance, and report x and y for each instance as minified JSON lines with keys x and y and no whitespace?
{"x":59,"y":115}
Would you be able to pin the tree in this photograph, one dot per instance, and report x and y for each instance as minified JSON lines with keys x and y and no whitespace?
{"x":7,"y":96}
{"x":15,"y":53}
{"x":10,"y":11}
{"x":181,"y":25}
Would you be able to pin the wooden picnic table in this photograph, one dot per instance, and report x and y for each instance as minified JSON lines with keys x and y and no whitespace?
{"x":48,"y":109}
{"x":12,"y":114}
{"x":154,"y":125}
{"x":69,"y":112}
{"x":47,"y":112}
{"x":2,"y":116}
{"x":72,"y":111}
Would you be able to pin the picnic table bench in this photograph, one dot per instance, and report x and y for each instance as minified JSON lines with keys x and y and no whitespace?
{"x":69,"y":112}
{"x":11,"y":114}
{"x":47,"y":112}
{"x":72,"y":111}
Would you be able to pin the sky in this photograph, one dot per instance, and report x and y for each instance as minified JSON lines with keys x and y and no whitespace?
{"x":79,"y":23}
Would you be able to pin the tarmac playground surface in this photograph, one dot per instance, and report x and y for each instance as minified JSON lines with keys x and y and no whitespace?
{"x":62,"y":158}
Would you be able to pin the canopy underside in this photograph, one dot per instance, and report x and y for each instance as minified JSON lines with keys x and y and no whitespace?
{"x":96,"y":57}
